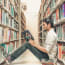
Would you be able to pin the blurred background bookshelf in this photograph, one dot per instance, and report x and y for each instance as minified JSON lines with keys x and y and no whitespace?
{"x":12,"y":24}
{"x":56,"y":10}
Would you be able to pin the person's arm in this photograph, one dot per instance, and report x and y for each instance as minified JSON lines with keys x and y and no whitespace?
{"x":38,"y":46}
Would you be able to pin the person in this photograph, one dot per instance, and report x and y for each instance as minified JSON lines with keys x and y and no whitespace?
{"x":47,"y":52}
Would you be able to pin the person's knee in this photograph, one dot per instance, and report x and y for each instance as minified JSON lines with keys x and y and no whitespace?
{"x":27,"y":45}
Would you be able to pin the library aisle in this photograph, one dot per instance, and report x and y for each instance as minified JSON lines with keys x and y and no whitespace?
{"x":16,"y":16}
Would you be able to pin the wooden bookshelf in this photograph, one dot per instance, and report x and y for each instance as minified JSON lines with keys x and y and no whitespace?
{"x":9,"y":25}
{"x":59,"y":22}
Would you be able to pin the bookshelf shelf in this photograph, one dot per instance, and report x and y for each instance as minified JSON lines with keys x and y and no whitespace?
{"x":61,"y":21}
{"x":61,"y":41}
{"x":9,"y":41}
{"x":5,"y":26}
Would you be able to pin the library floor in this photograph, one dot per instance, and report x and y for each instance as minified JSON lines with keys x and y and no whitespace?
{"x":26,"y":58}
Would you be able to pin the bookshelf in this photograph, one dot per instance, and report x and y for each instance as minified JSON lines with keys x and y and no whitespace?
{"x":56,"y":10}
{"x":9,"y":26}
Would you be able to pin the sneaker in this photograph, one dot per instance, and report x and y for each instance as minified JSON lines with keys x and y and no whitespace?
{"x":8,"y":59}
{"x":43,"y":61}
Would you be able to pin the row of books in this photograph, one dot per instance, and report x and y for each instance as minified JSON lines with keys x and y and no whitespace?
{"x":50,"y":7}
{"x":61,"y":51}
{"x":59,"y":14}
{"x":9,"y":5}
{"x":7,"y":35}
{"x":5,"y":19}
{"x":8,"y":48}
{"x":60,"y":30}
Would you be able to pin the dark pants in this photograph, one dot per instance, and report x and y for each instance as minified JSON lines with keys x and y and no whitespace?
{"x":39,"y":54}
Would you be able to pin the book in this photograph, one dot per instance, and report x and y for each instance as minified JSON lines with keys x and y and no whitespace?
{"x":12,"y":10}
{"x":12,"y":23}
{"x":5,"y":38}
{"x":7,"y":19}
{"x":59,"y":51}
{"x":12,"y":35}
{"x":57,"y":14}
{"x":63,"y":9}
{"x":9,"y":35}
{"x":0,"y":16}
{"x":3,"y":17}
{"x":54,"y":18}
{"x":60,"y":13}
{"x":59,"y":32}
{"x":63,"y":31}
{"x":63,"y":52}
{"x":17,"y":35}
{"x":1,"y":35}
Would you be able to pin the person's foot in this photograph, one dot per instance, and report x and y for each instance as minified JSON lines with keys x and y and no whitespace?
{"x":8,"y":59}
{"x":44,"y":62}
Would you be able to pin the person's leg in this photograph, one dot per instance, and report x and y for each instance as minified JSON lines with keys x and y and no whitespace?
{"x":18,"y":52}
{"x":39,"y":54}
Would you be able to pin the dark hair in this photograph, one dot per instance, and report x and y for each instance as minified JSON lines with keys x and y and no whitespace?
{"x":28,"y":32}
{"x":48,"y":21}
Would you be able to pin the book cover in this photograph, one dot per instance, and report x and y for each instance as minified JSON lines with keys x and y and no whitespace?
{"x":63,"y":9}
{"x":57,"y":14}
{"x":59,"y":51}
{"x":63,"y":31}
{"x":63,"y":52}
{"x":1,"y":34}
{"x":5,"y":38}
{"x":0,"y":16}
{"x":3,"y":17}
{"x":60,"y":13}
{"x":59,"y":32}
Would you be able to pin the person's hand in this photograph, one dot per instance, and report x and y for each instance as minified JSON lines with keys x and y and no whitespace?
{"x":31,"y":42}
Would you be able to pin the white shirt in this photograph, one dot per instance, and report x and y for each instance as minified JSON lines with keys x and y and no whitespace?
{"x":51,"y":43}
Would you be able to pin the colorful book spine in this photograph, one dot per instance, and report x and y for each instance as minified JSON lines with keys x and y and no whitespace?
{"x":0,"y":15}
{"x":57,"y":14}
{"x":59,"y":51}
{"x":63,"y":52}
{"x":1,"y":34}
{"x":63,"y":9}
{"x":59,"y":32}
{"x":63,"y":31}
